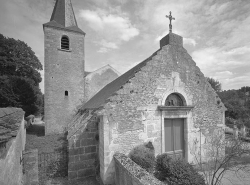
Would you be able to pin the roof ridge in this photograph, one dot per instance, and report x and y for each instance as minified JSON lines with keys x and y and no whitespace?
{"x":107,"y":91}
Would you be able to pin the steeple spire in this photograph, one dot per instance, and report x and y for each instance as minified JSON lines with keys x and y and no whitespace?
{"x":63,"y":13}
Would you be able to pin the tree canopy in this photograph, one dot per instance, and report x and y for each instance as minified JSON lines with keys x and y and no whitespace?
{"x":216,"y":85}
{"x":237,"y":102}
{"x":19,"y":76}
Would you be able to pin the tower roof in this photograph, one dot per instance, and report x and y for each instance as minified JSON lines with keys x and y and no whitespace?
{"x":63,"y":16}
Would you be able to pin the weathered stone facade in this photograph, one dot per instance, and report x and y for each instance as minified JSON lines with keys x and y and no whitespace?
{"x":131,"y":109}
{"x":64,"y":71}
{"x":65,"y":87}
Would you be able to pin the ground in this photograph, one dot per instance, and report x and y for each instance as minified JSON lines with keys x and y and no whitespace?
{"x":36,"y":139}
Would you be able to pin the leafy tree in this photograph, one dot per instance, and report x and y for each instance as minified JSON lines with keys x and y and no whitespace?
{"x":237,"y":103}
{"x":19,"y":76}
{"x":216,"y":85}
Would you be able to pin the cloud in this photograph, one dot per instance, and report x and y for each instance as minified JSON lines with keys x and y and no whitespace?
{"x":106,"y":46}
{"x":189,"y":41}
{"x":114,"y":28}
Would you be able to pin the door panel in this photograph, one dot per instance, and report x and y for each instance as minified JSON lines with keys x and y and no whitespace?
{"x":174,"y":137}
{"x":168,"y":136}
{"x":178,"y":133}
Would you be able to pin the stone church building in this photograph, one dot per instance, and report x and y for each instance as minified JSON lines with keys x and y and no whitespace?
{"x":67,"y":84}
{"x":165,"y":99}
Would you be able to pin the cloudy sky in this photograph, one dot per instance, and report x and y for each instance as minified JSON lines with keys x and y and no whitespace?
{"x":122,"y":33}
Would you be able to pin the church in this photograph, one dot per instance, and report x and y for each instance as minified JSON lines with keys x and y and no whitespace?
{"x":165,"y":99}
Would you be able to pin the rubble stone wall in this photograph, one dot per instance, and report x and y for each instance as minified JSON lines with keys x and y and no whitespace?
{"x":11,"y":166}
{"x":131,"y":116}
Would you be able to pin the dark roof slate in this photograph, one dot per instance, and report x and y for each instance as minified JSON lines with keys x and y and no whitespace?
{"x":102,"y":96}
{"x":58,"y":17}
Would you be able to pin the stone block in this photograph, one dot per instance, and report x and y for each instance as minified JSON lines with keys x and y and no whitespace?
{"x":88,"y":156}
{"x":86,"y":173}
{"x":88,"y":142}
{"x":71,"y":159}
{"x":90,"y":149}
{"x":72,"y":166}
{"x":72,"y":175}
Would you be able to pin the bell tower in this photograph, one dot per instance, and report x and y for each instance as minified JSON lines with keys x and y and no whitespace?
{"x":64,"y":67}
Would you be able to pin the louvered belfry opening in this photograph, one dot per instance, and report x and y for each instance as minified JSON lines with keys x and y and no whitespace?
{"x":65,"y":43}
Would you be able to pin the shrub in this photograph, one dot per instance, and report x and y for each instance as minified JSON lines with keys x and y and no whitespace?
{"x":144,"y":156}
{"x":176,"y":171}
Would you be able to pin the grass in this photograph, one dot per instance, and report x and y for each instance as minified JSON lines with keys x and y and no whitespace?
{"x":35,"y":138}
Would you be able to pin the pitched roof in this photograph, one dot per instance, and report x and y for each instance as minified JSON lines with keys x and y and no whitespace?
{"x":63,"y":17}
{"x":102,"y":96}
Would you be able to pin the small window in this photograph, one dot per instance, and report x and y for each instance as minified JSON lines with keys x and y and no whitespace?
{"x":65,"y":43}
{"x":66,"y":93}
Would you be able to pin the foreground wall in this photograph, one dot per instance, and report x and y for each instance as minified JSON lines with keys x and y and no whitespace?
{"x":128,"y":172}
{"x":83,"y":148}
{"x":11,"y":166}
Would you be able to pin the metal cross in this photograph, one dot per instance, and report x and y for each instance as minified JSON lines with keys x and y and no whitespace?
{"x":170,"y":19}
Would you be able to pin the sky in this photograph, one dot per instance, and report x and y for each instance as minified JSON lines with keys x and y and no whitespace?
{"x":122,"y":33}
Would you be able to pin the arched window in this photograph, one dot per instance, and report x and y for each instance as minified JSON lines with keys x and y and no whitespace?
{"x":174,"y":100}
{"x":65,"y":43}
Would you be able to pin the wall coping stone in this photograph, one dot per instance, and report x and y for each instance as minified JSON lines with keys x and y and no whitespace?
{"x":137,"y":172}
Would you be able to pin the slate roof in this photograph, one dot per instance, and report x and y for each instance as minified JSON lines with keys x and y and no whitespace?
{"x":58,"y":17}
{"x":102,"y":96}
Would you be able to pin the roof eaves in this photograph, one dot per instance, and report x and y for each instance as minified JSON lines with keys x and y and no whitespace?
{"x":103,"y":96}
{"x":54,"y":24}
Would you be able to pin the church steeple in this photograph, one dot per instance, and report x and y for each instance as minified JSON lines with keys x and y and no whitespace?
{"x":63,"y":16}
{"x":63,"y":13}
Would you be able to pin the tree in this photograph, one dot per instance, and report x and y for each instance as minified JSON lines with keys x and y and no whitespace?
{"x":19,"y":76}
{"x":237,"y":103}
{"x":216,"y":85}
{"x":219,"y":155}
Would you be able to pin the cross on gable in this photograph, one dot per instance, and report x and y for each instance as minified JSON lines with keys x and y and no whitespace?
{"x":170,"y":19}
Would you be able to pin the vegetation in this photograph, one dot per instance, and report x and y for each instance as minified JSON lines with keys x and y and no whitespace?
{"x":237,"y":103}
{"x":144,"y":155}
{"x":216,"y":85}
{"x":220,"y":156}
{"x":176,"y":171}
{"x":19,"y":76}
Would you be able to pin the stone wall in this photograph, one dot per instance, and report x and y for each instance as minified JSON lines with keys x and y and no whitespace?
{"x":11,"y":166}
{"x":128,"y":172}
{"x":64,"y":71}
{"x":131,"y":116}
{"x":83,"y":152}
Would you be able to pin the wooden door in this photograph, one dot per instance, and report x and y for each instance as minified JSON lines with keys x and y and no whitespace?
{"x":174,"y":137}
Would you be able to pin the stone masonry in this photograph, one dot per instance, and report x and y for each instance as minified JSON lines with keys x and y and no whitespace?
{"x":64,"y":69}
{"x":131,"y":114}
{"x":83,"y":151}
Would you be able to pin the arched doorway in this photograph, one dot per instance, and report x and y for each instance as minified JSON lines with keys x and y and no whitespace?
{"x":174,"y":129}
{"x":175,"y":118}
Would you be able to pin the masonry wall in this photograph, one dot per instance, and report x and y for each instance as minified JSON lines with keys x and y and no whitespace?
{"x":83,"y":152}
{"x":127,"y":172}
{"x":11,"y":165}
{"x":64,"y":71}
{"x":131,"y":116}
